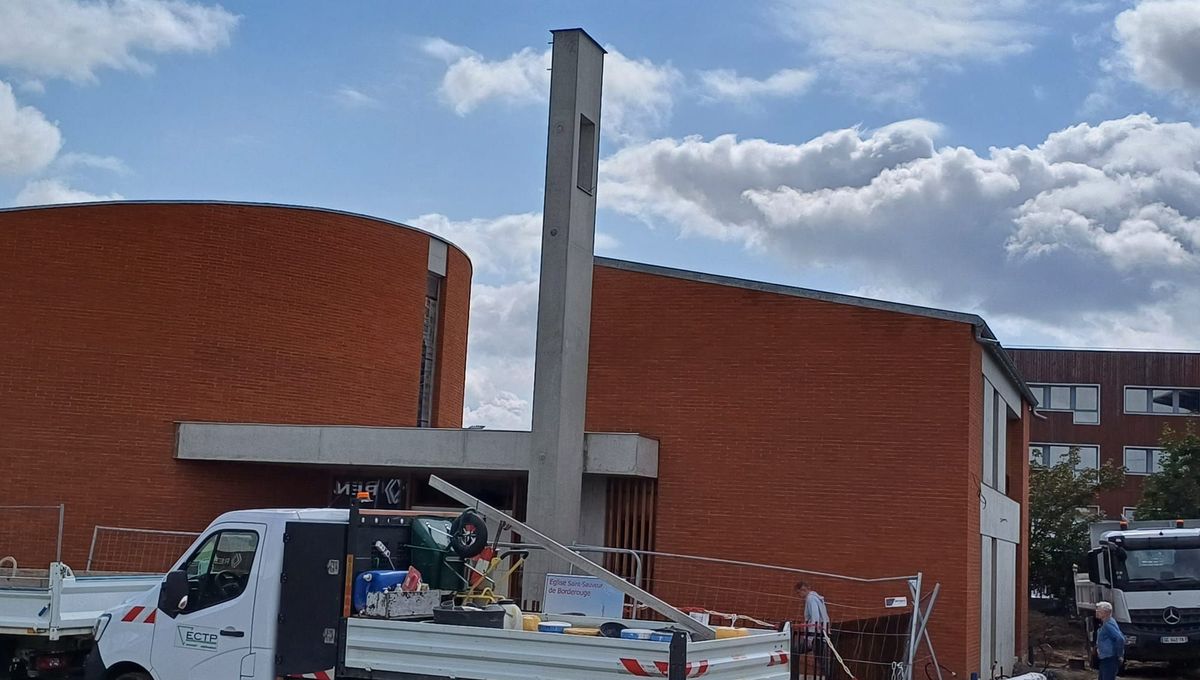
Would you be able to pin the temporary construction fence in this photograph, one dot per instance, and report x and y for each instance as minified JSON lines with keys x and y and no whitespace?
{"x":875,"y":629}
{"x":31,"y":536}
{"x":877,"y":626}
{"x":123,"y":549}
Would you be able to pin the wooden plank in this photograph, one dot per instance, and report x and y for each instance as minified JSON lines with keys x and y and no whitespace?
{"x":530,"y":535}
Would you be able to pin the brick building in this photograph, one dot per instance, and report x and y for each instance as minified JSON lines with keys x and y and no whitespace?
{"x":884,"y":438}
{"x":122,"y":320}
{"x":1112,"y":405}
{"x":170,"y":361}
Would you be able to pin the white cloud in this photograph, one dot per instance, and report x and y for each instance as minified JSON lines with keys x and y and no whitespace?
{"x":472,"y":80}
{"x":72,"y":160}
{"x":509,"y":246}
{"x":72,"y":39}
{"x":28,"y":142}
{"x":638,"y":94}
{"x":354,"y":99}
{"x":725,"y":84}
{"x":500,"y":350}
{"x":1160,"y":40}
{"x":1096,"y":230}
{"x":444,"y":49}
{"x":506,"y":252}
{"x":50,"y":191}
{"x":882,"y":48}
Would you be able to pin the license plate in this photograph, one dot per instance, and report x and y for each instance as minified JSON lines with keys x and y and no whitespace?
{"x":1173,"y":640}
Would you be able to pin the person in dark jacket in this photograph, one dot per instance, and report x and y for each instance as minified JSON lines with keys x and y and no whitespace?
{"x":1110,"y":642}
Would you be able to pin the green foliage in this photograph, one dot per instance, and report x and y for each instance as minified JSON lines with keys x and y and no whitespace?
{"x":1058,"y":536}
{"x":1174,"y":493}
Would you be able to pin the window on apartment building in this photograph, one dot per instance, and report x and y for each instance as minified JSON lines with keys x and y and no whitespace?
{"x":1141,"y":460}
{"x":1052,"y":454}
{"x":1128,"y":513}
{"x":1081,"y":400}
{"x":433,"y":296}
{"x":1167,"y":401}
{"x":1089,"y":511}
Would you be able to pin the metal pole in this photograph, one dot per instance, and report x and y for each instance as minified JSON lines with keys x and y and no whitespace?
{"x":92,"y":547}
{"x":928,"y":608}
{"x":914,"y":587}
{"x":62,"y":511}
{"x":776,"y":567}
{"x":698,"y":630}
{"x":937,"y":667}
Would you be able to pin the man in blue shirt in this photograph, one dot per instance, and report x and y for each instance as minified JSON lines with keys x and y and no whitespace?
{"x":1110,"y":642}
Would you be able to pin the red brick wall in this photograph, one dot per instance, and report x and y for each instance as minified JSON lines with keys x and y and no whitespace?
{"x":120,"y":320}
{"x":452,"y":346}
{"x":800,"y":432}
{"x":1112,"y":371}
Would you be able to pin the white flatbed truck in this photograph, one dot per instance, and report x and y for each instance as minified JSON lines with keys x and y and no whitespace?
{"x":47,"y":616}
{"x":265,"y":594}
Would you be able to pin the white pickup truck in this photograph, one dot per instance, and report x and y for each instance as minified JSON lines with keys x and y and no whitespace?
{"x":265,"y":594}
{"x":47,"y":616}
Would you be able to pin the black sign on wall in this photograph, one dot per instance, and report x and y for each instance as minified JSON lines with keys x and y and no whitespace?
{"x":387,"y":493}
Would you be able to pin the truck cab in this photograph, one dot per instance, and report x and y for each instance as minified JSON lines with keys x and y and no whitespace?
{"x":1150,"y":573}
{"x":220,"y":611}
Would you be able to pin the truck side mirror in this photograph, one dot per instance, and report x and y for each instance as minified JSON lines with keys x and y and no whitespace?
{"x":172,"y":595}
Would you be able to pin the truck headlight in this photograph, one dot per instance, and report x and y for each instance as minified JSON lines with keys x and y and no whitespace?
{"x":99,"y":626}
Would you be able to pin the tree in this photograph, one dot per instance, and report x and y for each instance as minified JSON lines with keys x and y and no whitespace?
{"x":1058,"y":536}
{"x":1174,"y":492}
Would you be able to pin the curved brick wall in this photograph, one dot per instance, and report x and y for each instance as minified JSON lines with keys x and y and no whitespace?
{"x":121,"y":319}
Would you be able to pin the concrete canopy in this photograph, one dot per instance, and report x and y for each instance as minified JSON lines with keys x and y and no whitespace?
{"x":614,"y":454}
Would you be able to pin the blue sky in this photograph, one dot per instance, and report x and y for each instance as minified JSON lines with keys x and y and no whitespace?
{"x":1034,"y":162}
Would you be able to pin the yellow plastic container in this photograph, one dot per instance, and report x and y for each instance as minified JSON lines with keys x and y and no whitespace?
{"x":724,"y":632}
{"x":590,"y":632}
{"x":530,"y":622}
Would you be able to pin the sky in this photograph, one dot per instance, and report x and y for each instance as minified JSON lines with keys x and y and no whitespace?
{"x":1037,"y":163}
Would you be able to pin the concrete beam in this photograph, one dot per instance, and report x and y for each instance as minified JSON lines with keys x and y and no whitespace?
{"x":617,"y":453}
{"x":614,"y":454}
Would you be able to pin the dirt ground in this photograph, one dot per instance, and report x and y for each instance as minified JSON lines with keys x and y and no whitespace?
{"x":1058,"y":640}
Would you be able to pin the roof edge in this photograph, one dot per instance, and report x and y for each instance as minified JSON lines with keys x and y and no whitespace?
{"x":244,"y":204}
{"x":983,"y":333}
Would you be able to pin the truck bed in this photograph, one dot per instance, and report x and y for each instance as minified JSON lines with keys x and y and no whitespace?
{"x":55,"y":603}
{"x":377,"y":647}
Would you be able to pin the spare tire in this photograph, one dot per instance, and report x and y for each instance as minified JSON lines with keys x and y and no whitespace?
{"x":468,"y":534}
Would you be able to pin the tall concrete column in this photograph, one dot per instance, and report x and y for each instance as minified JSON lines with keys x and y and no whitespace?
{"x":565,"y":294}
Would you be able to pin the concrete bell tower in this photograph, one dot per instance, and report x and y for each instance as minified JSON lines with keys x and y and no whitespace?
{"x":564,"y":294}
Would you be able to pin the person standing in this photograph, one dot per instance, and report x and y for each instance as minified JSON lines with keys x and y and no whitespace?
{"x":1110,"y":642}
{"x":815,"y":631}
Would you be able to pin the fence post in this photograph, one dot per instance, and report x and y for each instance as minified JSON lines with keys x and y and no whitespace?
{"x":914,"y":587}
{"x":92,"y":547}
{"x":62,"y":511}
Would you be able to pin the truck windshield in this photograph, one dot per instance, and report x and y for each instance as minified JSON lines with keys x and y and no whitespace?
{"x":1165,"y":569}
